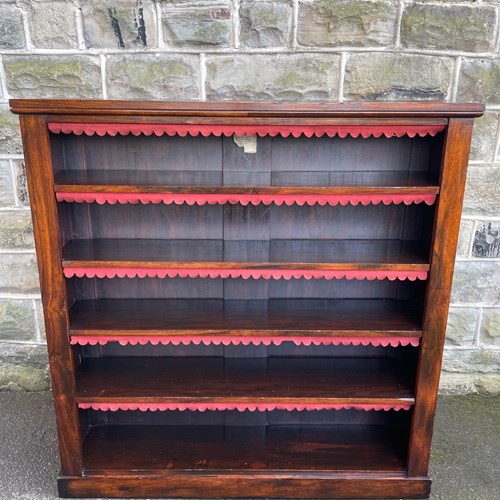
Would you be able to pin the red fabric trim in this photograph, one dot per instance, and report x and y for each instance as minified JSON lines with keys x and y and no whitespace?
{"x":240,"y":406}
{"x":132,"y":272}
{"x":231,"y":340}
{"x":239,"y":130}
{"x":245,"y":199}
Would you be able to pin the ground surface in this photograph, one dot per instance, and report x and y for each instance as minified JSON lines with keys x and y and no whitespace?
{"x":465,"y":461}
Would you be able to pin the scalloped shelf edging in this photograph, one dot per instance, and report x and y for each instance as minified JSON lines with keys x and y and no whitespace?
{"x":287,"y":274}
{"x":244,"y":199}
{"x":244,"y":340}
{"x":205,"y":130}
{"x":241,"y":406}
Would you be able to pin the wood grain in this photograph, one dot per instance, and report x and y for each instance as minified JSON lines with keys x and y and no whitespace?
{"x":245,"y":317}
{"x":362,"y":110}
{"x":237,"y":381}
{"x":48,"y":245}
{"x":453,"y":176}
{"x":210,"y":448}
{"x":242,"y":485}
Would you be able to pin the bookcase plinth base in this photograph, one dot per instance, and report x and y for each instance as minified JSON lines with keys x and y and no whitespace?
{"x":191,"y":484}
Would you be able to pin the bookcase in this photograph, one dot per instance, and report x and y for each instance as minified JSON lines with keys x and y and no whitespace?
{"x":245,"y":299}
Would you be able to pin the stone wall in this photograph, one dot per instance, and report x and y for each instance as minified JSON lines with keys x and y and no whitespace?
{"x":268,"y":50}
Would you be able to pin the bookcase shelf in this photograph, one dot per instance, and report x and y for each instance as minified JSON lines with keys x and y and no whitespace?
{"x":255,"y":384}
{"x":348,"y":187}
{"x":212,"y":448}
{"x":245,"y":298}
{"x":178,"y":321}
{"x":350,"y":259}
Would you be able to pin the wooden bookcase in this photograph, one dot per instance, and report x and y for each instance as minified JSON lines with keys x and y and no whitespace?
{"x":228,"y":323}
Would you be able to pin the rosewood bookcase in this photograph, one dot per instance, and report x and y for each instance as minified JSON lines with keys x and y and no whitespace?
{"x":245,"y":299}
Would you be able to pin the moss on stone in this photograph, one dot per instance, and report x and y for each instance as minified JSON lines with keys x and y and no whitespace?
{"x":451,"y":27}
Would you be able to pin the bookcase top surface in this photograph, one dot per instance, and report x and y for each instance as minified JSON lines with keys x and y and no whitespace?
{"x":247,"y":109}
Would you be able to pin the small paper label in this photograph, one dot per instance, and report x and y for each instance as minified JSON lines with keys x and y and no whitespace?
{"x":247,"y":142}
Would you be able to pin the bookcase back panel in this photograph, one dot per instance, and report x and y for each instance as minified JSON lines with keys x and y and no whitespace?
{"x":242,"y":289}
{"x":278,"y":161}
{"x":246,"y":418}
{"x":284,"y":350}
{"x":141,"y":153}
{"x":237,"y":222}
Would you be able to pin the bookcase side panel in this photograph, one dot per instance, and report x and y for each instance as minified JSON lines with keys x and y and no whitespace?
{"x":449,"y":208}
{"x":48,"y":246}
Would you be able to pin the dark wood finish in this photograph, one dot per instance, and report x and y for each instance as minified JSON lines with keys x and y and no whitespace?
{"x":236,"y":381}
{"x":244,"y":485}
{"x":392,"y":110}
{"x":274,"y":254}
{"x":454,"y":168}
{"x":45,"y":225}
{"x":133,"y":454}
{"x":119,"y":449}
{"x":367,"y":318}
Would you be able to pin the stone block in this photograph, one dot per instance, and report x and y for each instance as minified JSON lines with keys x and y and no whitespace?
{"x":273,"y":77}
{"x":16,"y":230}
{"x":489,"y":332}
{"x":488,"y":383}
{"x":467,"y":383}
{"x":203,"y":26}
{"x":11,"y":28}
{"x":53,"y":76}
{"x":21,"y":183}
{"x":472,"y":360}
{"x":40,"y":318}
{"x":128,"y":24}
{"x":265,"y":24}
{"x":346,"y":23}
{"x":486,"y":242}
{"x":479,"y":81}
{"x":481,"y":192}
{"x":476,"y":282}
{"x":149,"y":76}
{"x":17,"y":320}
{"x":18,"y":273}
{"x":10,"y":135}
{"x":464,"y":238}
{"x":462,"y":324}
{"x":457,"y":383}
{"x":386,"y":77}
{"x":52,"y":25}
{"x":448,"y":27}
{"x":6,"y":186}
{"x":484,"y":137}
{"x":23,"y":367}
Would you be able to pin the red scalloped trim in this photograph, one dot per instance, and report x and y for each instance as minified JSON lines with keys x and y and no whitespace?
{"x":239,"y":130}
{"x":133,"y":272}
{"x":229,"y":340}
{"x":240,"y":406}
{"x":245,"y":199}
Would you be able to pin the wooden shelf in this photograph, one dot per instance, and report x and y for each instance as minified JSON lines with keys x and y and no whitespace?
{"x":281,"y":258}
{"x":163,"y":449}
{"x":210,"y":182}
{"x":201,"y":187}
{"x":252,"y":383}
{"x":378,"y":322}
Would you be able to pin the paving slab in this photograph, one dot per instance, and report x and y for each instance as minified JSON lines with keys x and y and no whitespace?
{"x":465,"y":462}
